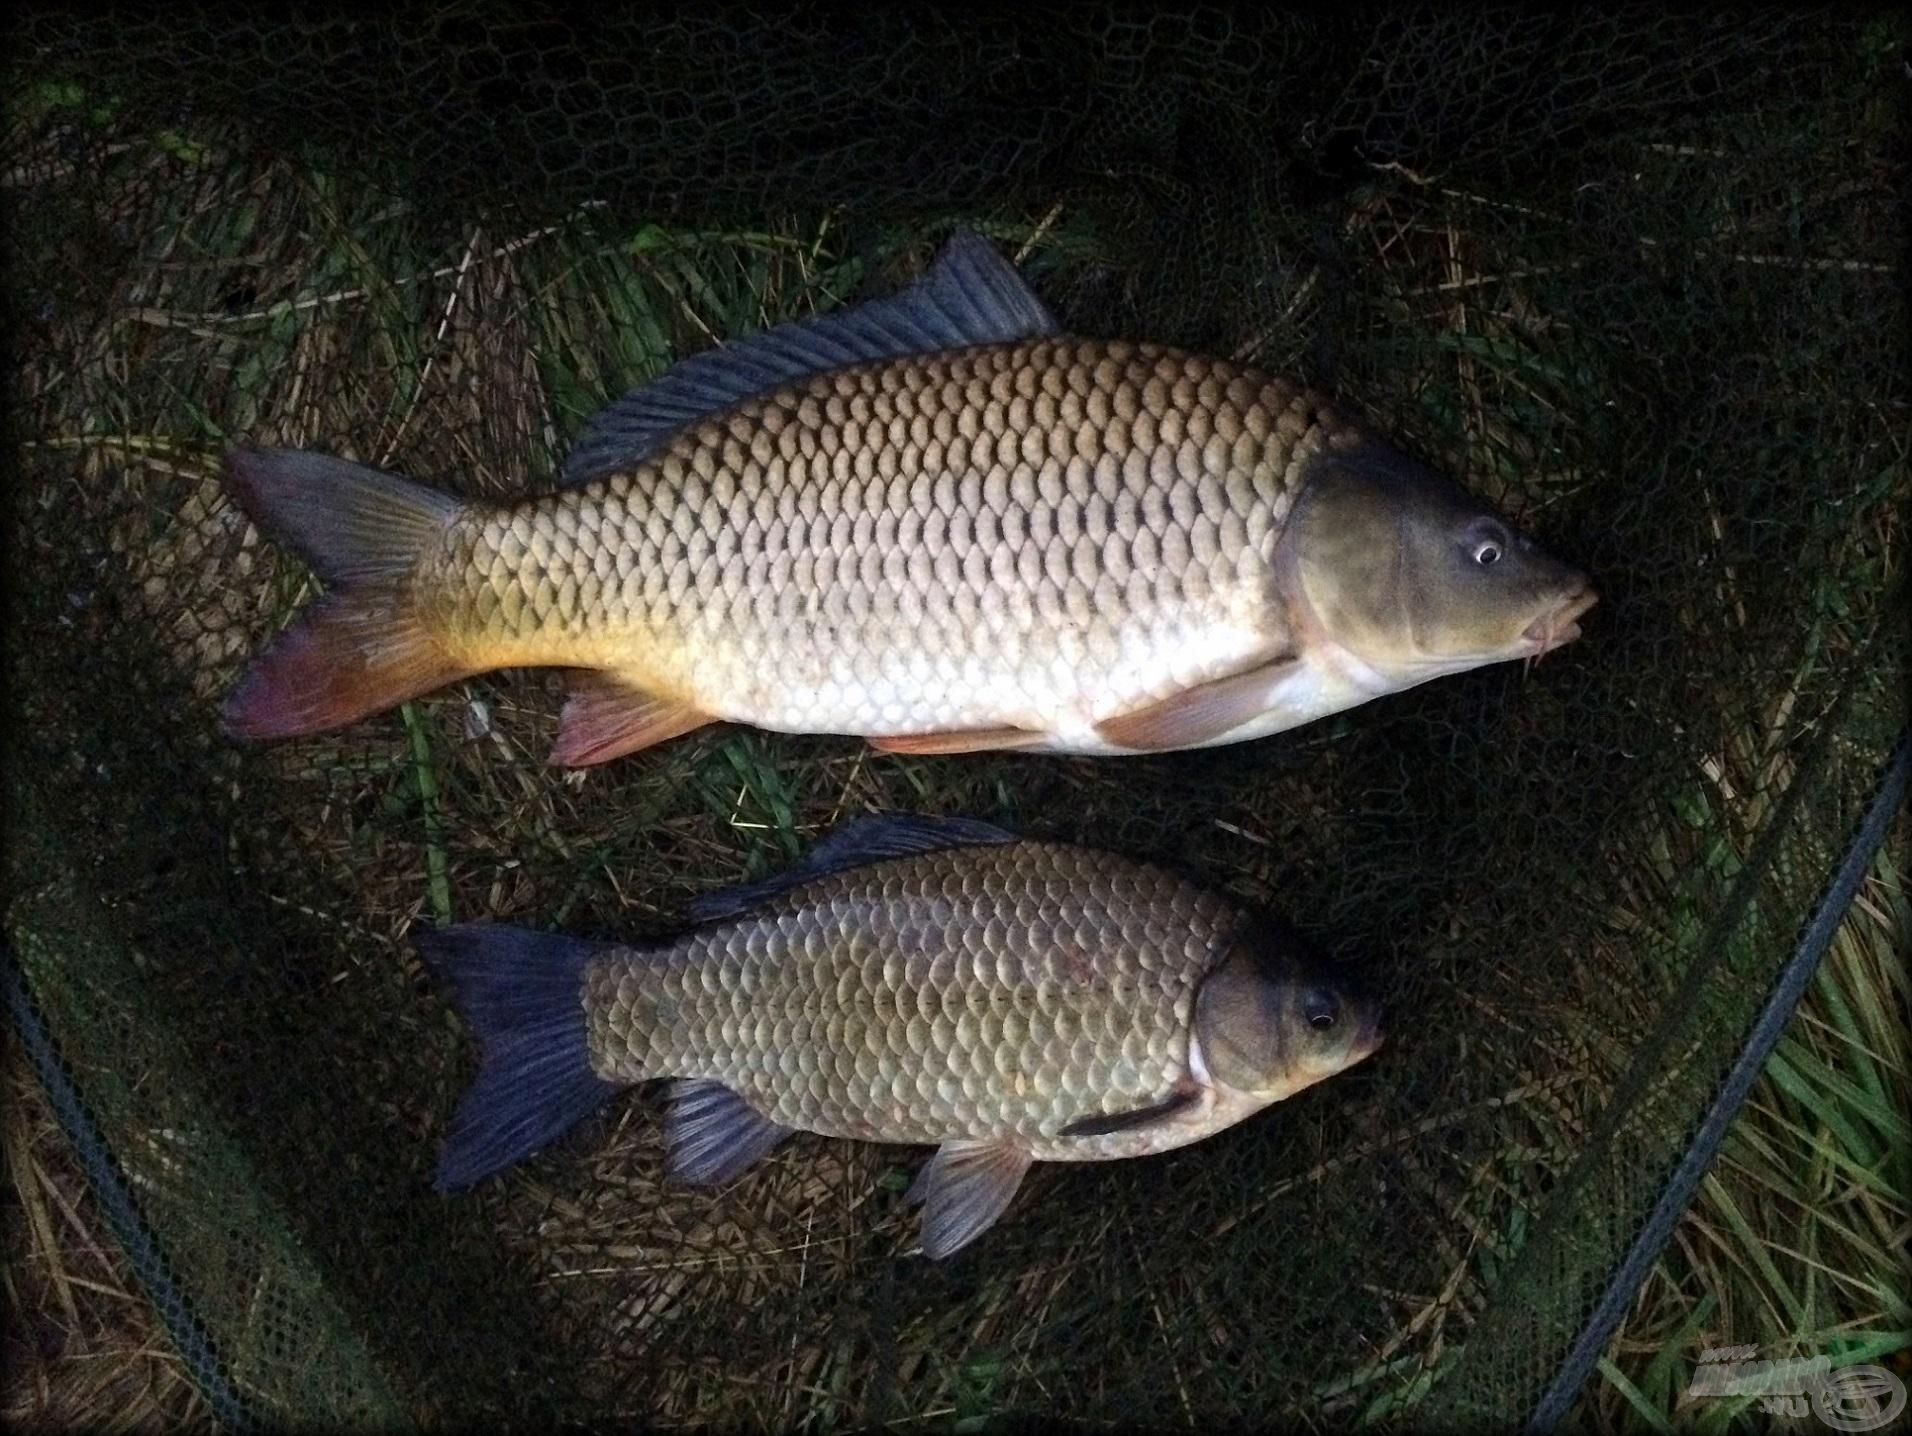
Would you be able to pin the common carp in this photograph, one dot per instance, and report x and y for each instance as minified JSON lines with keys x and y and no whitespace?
{"x":912,"y":980}
{"x":930,"y":520}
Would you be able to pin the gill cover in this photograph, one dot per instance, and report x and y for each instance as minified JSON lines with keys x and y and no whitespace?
{"x":1270,"y":1024}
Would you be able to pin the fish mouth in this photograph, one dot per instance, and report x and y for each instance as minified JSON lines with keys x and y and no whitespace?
{"x":1561,"y":626}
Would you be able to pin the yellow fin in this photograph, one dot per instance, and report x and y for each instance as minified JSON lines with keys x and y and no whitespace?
{"x":1200,"y":714}
{"x":971,"y":740}
{"x":350,"y":655}
{"x":605,"y":718}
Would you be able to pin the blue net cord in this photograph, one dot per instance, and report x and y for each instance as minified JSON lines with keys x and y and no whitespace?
{"x":112,"y":1192}
{"x":1791,"y":985}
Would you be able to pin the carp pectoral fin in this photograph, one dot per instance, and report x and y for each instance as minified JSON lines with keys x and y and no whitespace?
{"x":1200,"y":714}
{"x":964,"y":1188}
{"x":605,"y":718}
{"x":712,"y":1134}
{"x":1101,"y":1125}
{"x":972,"y":740}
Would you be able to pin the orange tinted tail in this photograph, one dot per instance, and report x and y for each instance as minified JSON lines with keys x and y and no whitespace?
{"x":362,"y":648}
{"x":345,"y":659}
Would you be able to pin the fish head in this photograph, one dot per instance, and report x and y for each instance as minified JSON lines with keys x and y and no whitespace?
{"x":1271,"y":1020}
{"x":1413,"y":577}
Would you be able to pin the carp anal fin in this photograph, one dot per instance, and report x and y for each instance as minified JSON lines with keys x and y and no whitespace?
{"x":1102,"y":1124}
{"x":364,"y":647}
{"x":855,"y":844}
{"x":1202,"y":714}
{"x":969,"y":295}
{"x":712,"y":1134}
{"x":605,"y":718}
{"x":519,"y":992}
{"x":963,"y":1190}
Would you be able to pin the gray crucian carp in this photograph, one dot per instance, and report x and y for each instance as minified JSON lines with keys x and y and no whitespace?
{"x":912,"y":980}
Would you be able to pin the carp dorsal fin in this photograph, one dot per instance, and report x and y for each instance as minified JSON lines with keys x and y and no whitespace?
{"x":853,"y":845}
{"x":970,"y":295}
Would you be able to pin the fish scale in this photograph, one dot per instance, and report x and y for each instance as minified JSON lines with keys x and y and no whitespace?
{"x":1101,"y":539}
{"x":984,"y":993}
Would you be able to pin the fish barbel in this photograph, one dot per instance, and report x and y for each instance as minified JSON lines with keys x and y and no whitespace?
{"x":913,"y":980}
{"x":930,"y":520}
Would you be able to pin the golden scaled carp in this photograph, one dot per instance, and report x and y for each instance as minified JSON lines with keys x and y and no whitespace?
{"x":913,"y":980}
{"x":930,"y":520}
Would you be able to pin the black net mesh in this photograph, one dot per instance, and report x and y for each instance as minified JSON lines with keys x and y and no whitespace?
{"x":1634,"y":275}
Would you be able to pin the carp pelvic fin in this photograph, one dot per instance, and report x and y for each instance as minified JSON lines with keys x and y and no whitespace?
{"x":605,"y":718}
{"x":712,"y":1134}
{"x":518,"y":991}
{"x":964,"y":1189}
{"x":1103,"y":1124}
{"x":970,"y":295}
{"x":362,"y":648}
{"x":1200,"y":714}
{"x":974,"y":740}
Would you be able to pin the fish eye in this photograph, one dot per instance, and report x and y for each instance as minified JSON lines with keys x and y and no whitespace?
{"x":1321,"y":1010}
{"x":1487,"y":542}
